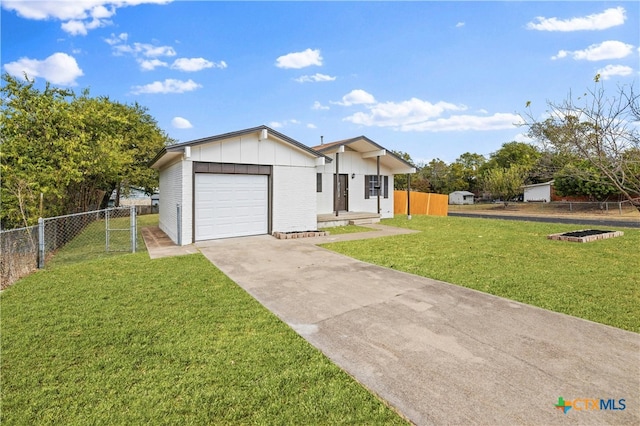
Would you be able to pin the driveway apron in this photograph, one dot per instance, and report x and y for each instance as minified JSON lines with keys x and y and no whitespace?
{"x":436,"y":352}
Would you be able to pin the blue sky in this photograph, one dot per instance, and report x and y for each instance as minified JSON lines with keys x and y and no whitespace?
{"x":434,"y":79}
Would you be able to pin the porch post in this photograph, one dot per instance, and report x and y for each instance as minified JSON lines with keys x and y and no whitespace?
{"x":335,"y":184}
{"x":409,"y":196}
{"x":378,"y":184}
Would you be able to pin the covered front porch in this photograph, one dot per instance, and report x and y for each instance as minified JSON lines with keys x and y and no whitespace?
{"x":328,"y":220}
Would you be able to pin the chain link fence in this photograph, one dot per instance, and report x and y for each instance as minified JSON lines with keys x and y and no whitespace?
{"x":69,"y":238}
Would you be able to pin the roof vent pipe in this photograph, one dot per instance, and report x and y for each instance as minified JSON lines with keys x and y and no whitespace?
{"x":321,"y":140}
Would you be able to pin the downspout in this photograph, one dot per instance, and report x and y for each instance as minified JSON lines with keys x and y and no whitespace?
{"x":335,"y":184}
{"x":379,"y":184}
{"x":409,"y":196}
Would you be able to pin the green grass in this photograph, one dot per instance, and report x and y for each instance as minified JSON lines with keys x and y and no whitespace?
{"x":91,"y":242}
{"x":597,"y":281}
{"x":129,"y":340}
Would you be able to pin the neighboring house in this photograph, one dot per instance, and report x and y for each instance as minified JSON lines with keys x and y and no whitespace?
{"x":359,"y":162}
{"x":538,"y":192}
{"x":259,"y":181}
{"x":135,"y":197}
{"x":461,"y":197}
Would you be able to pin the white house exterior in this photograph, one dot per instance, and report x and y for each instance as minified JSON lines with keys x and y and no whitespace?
{"x":250,"y":182}
{"x":461,"y":197}
{"x":349,"y":183}
{"x":539,"y":192}
{"x":259,"y":181}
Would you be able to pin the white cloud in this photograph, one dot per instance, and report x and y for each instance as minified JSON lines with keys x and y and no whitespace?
{"x":610,"y":49}
{"x":611,"y":70}
{"x":356,"y":97}
{"x":299,"y":60}
{"x":82,"y":28}
{"x":78,"y":17}
{"x":419,"y":115}
{"x":144,"y":49}
{"x":170,"y":85}
{"x":117,"y":39}
{"x":599,"y":21}
{"x":58,"y":68}
{"x":181,"y":123}
{"x":318,"y":106}
{"x":311,"y":126}
{"x":280,"y":124}
{"x":317,"y":77}
{"x":392,"y":114}
{"x":196,"y":64}
{"x":151,"y":64}
{"x":460,"y":24}
{"x":458,"y":123}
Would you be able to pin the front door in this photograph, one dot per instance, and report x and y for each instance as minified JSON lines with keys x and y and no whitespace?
{"x":342,"y":193}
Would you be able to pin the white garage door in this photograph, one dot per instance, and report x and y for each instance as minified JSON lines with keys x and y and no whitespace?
{"x":230,"y":205}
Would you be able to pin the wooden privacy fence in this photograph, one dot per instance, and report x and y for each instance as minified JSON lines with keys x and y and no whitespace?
{"x":421,"y":203}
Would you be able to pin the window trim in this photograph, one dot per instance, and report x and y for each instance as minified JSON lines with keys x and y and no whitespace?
{"x":370,"y":192}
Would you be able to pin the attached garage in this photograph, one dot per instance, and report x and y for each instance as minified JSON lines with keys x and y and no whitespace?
{"x":230,"y":205}
{"x":251,"y":182}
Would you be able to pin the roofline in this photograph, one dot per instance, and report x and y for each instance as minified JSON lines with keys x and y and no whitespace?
{"x":328,"y":146}
{"x":201,"y":141}
{"x":539,"y":184}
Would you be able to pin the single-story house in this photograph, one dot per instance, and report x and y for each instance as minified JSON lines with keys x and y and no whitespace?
{"x":357,"y":163}
{"x":133,"y":197}
{"x":259,"y":181}
{"x":538,"y":192}
{"x":461,"y":197}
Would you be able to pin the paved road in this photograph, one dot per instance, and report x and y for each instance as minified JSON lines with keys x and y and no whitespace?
{"x":438,"y":353}
{"x":596,"y":222}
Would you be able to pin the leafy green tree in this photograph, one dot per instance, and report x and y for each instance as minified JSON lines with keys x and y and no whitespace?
{"x":62,"y":153}
{"x":436,"y":172}
{"x":548,"y":165}
{"x":583,"y":179}
{"x":599,"y":127}
{"x":470,"y":165}
{"x":400,"y":181}
{"x":514,"y":154}
{"x":505,"y":183}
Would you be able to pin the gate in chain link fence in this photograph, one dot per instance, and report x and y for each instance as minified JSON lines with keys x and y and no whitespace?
{"x":69,"y":238}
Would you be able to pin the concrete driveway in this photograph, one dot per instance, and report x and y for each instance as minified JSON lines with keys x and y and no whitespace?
{"x":438,"y":353}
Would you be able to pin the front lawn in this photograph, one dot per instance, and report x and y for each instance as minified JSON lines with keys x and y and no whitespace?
{"x":597,"y":281}
{"x":129,"y":340}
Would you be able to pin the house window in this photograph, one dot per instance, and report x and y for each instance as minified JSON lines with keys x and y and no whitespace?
{"x":371,"y":186}
{"x":318,"y":182}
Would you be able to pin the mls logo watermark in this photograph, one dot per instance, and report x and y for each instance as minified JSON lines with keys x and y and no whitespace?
{"x":590,"y":404}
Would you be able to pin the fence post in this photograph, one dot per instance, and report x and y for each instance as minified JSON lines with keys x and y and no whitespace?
{"x":134,"y":231}
{"x":106,"y":230}
{"x":41,"y":243}
{"x":179,"y":227}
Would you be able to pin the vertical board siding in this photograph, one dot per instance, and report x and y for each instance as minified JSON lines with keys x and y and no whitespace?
{"x":421,"y":203}
{"x":170,"y":196}
{"x":294,"y":199}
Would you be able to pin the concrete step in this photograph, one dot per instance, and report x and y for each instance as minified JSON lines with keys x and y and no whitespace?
{"x":367,"y":221}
